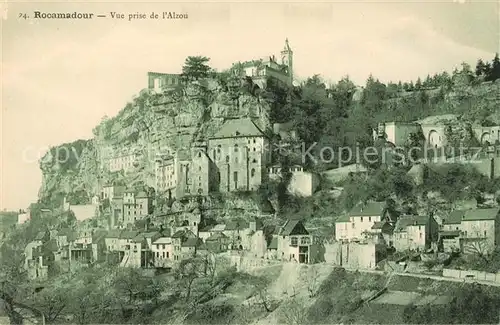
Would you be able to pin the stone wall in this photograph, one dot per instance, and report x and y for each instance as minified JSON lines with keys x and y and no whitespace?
{"x":471,"y":274}
{"x":247,"y":263}
{"x":352,"y":255}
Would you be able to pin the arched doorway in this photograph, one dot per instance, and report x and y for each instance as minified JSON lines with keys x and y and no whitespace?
{"x":486,"y":138}
{"x":434,"y":139}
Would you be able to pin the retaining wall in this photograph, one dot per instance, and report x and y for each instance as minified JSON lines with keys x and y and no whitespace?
{"x":471,"y":274}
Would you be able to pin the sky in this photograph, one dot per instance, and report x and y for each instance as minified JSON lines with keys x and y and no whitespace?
{"x":60,"y":77}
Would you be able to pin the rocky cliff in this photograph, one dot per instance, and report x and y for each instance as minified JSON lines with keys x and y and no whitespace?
{"x":149,"y":124}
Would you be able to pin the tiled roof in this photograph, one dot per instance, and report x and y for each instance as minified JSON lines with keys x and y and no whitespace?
{"x":239,"y":224}
{"x":216,"y":236}
{"x":378,"y":224}
{"x":151,"y":234}
{"x":368,"y":209}
{"x":179,"y":234}
{"x":454,"y":217}
{"x":374,"y":209}
{"x":289,"y":226}
{"x":139,"y":238}
{"x":128,"y":234}
{"x":273,"y":244}
{"x":192,"y":242}
{"x":481,"y":214}
{"x":406,"y":221}
{"x":344,"y":218}
{"x":163,"y":240}
{"x":242,"y":127}
{"x":166,"y":232}
{"x":219,"y":227}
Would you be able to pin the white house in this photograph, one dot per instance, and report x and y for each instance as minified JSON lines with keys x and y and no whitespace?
{"x":361,"y":219}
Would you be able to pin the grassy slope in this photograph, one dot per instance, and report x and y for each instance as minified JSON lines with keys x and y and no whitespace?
{"x":337,"y":298}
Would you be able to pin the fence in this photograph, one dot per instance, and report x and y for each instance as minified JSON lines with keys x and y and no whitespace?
{"x":471,"y":274}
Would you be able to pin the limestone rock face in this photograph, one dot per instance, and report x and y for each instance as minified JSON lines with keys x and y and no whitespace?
{"x":151,"y":123}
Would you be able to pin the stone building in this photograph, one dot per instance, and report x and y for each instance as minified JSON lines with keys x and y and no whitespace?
{"x":480,"y":230}
{"x":166,"y":174}
{"x":161,"y":81}
{"x":415,"y":233}
{"x":136,"y":206}
{"x":261,"y":70}
{"x":125,"y":161}
{"x":240,"y":153}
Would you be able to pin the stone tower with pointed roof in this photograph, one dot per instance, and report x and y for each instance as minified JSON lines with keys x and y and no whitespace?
{"x":287,"y":59}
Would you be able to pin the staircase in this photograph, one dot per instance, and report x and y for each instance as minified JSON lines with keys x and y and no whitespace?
{"x":125,"y":259}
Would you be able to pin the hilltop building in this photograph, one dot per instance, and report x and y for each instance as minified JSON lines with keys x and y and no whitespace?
{"x":262,"y":69}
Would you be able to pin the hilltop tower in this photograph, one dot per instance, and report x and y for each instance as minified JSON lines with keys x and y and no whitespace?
{"x":287,"y":59}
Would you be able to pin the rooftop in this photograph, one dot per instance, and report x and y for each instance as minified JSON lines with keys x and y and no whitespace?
{"x":481,"y":214}
{"x":454,"y":217}
{"x":242,"y":127}
{"x":406,"y":221}
{"x":368,"y":209}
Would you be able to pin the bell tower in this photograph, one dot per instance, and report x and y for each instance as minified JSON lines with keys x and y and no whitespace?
{"x":287,"y":59}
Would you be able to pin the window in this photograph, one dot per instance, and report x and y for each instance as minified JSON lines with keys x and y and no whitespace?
{"x":199,"y":154}
{"x":419,"y":228}
{"x":420,"y":235}
{"x":294,"y":241}
{"x":353,"y":225}
{"x":253,"y":140}
{"x":485,"y":233}
{"x":361,"y":219}
{"x":252,"y":173}
{"x":227,"y":159}
{"x":168,"y":254}
{"x":305,"y":240}
{"x":235,"y":148}
{"x":369,"y":219}
{"x":163,"y":246}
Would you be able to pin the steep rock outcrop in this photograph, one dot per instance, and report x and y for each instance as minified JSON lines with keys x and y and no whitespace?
{"x":150,"y":124}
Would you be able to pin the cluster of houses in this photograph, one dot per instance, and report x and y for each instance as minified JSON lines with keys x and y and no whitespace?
{"x":475,"y":230}
{"x":163,"y":244}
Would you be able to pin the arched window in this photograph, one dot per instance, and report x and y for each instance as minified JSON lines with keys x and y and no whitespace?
{"x":199,"y":154}
{"x":252,"y":173}
{"x":235,"y":148}
{"x":227,"y":159}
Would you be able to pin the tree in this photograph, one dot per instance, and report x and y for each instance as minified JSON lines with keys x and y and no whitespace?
{"x":196,"y":67}
{"x":294,"y":313}
{"x":480,"y":68}
{"x":52,"y":302}
{"x":495,"y":68}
